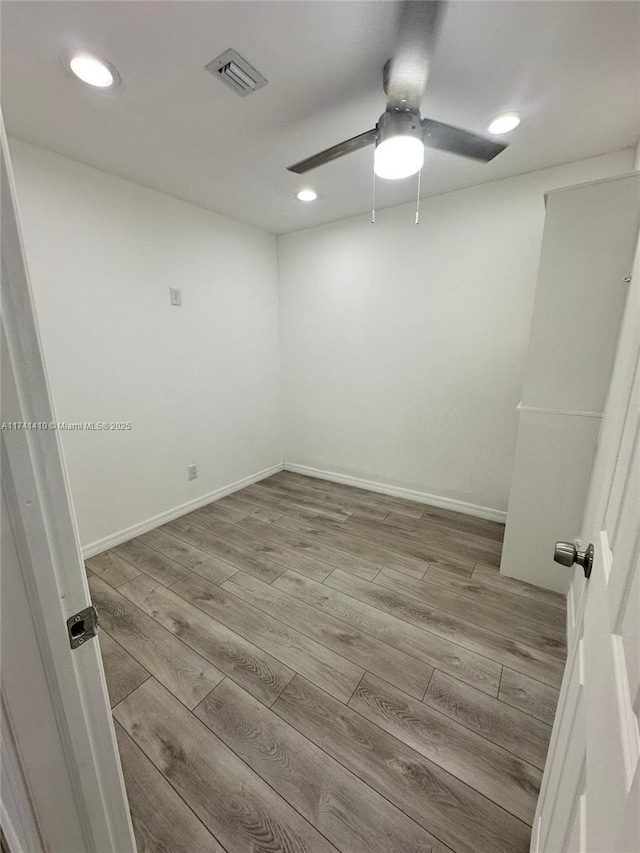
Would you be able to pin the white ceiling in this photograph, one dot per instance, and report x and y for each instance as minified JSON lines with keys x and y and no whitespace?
{"x":571,"y":68}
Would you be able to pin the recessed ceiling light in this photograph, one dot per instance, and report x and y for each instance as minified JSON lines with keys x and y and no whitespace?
{"x":92,"y":70}
{"x":307,"y":195}
{"x":504,"y":124}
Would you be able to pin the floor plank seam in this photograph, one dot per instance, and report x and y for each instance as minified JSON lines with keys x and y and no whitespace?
{"x":561,"y":655}
{"x":335,"y":547}
{"x":469,"y":596}
{"x":446,"y":717}
{"x":266,"y":782}
{"x":290,"y":627}
{"x":212,"y":554}
{"x":355,"y":688}
{"x":170,"y":634}
{"x":362,"y":630}
{"x":480,"y":733}
{"x":113,"y":707}
{"x":184,"y":565}
{"x":281,"y":622}
{"x":432,"y":633}
{"x":291,"y":550}
{"x":435,"y":761}
{"x":273,"y":702}
{"x":351,"y":772}
{"x":204,"y":698}
{"x":175,"y":791}
{"x":426,"y":689}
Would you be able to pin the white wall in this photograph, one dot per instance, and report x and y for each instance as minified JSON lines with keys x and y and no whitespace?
{"x":200,"y":384}
{"x":403,"y":347}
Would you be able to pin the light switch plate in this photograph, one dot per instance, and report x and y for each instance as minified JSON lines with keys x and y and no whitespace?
{"x":176,"y":296}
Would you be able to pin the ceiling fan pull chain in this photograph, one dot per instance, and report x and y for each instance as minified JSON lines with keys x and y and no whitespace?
{"x":373,"y":198}
{"x":418,"y":199}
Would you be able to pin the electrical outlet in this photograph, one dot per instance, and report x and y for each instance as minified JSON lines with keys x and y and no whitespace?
{"x":192,"y":472}
{"x":176,"y":296}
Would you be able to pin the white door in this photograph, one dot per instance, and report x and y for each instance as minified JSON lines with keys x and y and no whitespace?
{"x":62,"y":787}
{"x":590,"y":798}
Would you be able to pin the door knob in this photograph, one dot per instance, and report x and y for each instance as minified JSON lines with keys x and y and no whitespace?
{"x":567,"y":554}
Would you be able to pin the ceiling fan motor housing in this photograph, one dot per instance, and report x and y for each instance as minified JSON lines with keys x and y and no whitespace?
{"x":398,"y":123}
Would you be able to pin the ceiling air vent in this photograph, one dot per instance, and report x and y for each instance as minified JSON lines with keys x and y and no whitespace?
{"x":236,"y":72}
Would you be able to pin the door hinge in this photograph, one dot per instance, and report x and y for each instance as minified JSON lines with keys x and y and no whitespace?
{"x":82,"y":626}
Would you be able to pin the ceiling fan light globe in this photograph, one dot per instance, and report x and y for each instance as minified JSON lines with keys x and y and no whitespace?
{"x":398,"y":157}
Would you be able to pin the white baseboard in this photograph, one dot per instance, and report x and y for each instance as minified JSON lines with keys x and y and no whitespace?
{"x":397,"y":491}
{"x":143,"y":526}
{"x":400,"y":492}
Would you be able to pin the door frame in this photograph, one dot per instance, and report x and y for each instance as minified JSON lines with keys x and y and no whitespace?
{"x":43,"y":527}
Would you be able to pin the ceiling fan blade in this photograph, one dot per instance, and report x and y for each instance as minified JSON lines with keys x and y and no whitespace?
{"x":456,"y":141}
{"x":405,"y":76}
{"x":329,"y":154}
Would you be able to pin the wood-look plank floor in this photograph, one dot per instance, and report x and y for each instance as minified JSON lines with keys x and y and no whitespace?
{"x":304,"y":666}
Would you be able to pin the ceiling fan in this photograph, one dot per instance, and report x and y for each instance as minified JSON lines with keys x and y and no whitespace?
{"x":401,"y":133}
